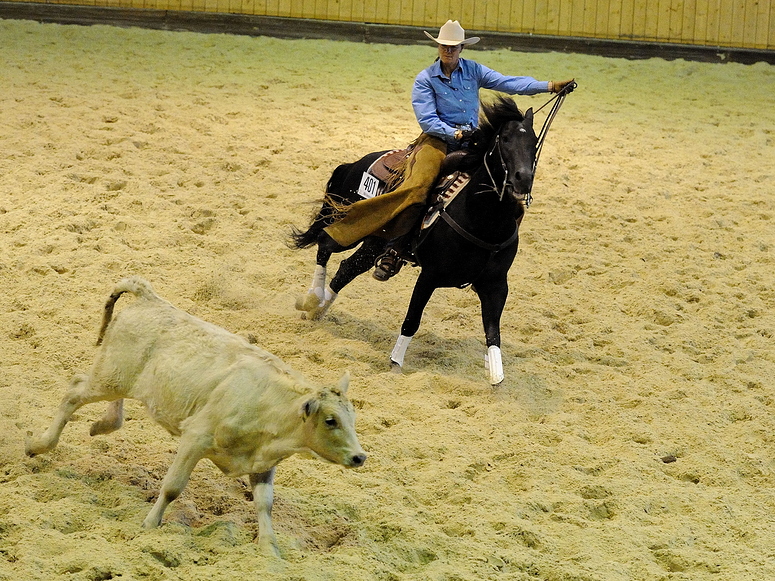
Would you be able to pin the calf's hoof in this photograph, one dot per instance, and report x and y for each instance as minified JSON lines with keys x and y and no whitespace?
{"x":269,"y":549}
{"x":33,"y":446}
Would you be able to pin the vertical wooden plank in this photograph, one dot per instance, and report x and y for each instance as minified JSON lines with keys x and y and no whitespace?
{"x":430,"y":12}
{"x":405,"y":12}
{"x":712,"y":22}
{"x":650,"y":21}
{"x":590,"y":18}
{"x":198,"y":5}
{"x":552,"y":17}
{"x":749,"y":29}
{"x":392,"y":11}
{"x":726,"y":15}
{"x":540,"y":17}
{"x":663,"y":20}
{"x":418,"y":11}
{"x":478,"y":12}
{"x":700,"y":21}
{"x":564,"y":18}
{"x":453,"y":11}
{"x":576,"y":27}
{"x":675,"y":27}
{"x":438,"y":11}
{"x":603,"y":17}
{"x":528,"y":23}
{"x":688,"y":20}
{"x":627,"y":10}
{"x":771,"y":26}
{"x":765,"y":25}
{"x":368,"y":10}
{"x":639,"y":19}
{"x":738,"y":24}
{"x":259,"y":7}
{"x":319,"y":7}
{"x":466,"y":16}
{"x":357,"y":10}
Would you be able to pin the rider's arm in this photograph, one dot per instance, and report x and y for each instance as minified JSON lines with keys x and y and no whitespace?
{"x":425,"y":109}
{"x":490,"y":79}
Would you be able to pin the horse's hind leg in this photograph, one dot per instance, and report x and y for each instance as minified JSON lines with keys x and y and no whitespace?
{"x":359,"y":262}
{"x":319,"y":296}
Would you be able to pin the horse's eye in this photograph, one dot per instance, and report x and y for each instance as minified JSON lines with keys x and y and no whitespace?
{"x":331,"y":422}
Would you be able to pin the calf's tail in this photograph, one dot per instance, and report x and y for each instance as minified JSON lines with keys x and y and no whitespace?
{"x":139,"y":287}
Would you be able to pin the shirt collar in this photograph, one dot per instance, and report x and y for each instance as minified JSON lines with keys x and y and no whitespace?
{"x":436,"y":68}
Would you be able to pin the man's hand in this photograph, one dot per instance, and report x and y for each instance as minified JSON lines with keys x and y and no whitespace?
{"x":467,"y":135}
{"x":557,"y":86}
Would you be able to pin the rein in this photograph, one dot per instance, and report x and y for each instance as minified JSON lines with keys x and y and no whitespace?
{"x":558,"y":99}
{"x":473,"y":239}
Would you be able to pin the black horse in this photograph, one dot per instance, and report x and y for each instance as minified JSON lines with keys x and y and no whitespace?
{"x":473,"y":241}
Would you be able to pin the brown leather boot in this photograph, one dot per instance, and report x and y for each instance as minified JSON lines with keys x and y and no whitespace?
{"x":387,"y":265}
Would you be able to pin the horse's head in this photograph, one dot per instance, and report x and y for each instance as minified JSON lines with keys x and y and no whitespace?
{"x":511,"y":149}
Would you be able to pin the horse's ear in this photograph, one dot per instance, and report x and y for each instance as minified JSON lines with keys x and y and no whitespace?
{"x":529,"y":117}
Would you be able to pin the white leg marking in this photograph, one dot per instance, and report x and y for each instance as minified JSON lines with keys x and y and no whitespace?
{"x":397,"y":355}
{"x":263,"y":498}
{"x":494,"y":364}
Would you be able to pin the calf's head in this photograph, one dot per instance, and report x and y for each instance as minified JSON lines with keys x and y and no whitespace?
{"x":330,"y":426}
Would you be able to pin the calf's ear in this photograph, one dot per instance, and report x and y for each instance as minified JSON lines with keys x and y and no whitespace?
{"x":310,"y":407}
{"x":344,"y":383}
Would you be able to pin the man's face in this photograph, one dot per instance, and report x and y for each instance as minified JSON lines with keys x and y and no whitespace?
{"x":449,"y":55}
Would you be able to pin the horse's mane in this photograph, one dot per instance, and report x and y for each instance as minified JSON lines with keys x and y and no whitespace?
{"x":492,"y":118}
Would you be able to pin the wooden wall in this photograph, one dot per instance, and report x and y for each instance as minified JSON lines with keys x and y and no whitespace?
{"x":723,"y":23}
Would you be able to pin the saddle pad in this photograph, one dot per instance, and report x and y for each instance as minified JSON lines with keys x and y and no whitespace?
{"x":375,"y":178}
{"x":445,"y":193}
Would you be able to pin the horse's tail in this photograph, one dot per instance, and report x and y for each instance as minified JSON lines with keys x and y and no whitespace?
{"x":332,"y":210}
{"x":304,"y":239}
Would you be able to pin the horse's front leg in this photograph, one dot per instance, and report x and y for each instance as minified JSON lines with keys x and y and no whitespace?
{"x":493,"y":299}
{"x":319,"y":296}
{"x":423,"y":290}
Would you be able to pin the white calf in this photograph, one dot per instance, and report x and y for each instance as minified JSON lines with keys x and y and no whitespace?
{"x":229,"y":401}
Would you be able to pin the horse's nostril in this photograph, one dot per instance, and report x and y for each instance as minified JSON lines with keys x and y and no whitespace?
{"x":358,"y":459}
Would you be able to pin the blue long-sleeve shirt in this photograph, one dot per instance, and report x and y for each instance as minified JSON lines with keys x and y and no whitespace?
{"x":442,"y":104}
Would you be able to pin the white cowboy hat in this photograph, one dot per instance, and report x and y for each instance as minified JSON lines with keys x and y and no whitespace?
{"x":452,"y":34}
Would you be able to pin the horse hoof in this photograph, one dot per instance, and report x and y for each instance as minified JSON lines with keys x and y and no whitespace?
{"x":308,"y":302}
{"x":395,"y":367}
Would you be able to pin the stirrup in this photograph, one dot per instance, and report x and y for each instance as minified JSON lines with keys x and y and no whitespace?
{"x":387,"y":265}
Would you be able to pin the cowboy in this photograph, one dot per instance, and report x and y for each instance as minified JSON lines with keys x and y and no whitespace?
{"x":445,"y":99}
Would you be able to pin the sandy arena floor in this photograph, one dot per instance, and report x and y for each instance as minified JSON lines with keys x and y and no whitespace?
{"x":640,"y":323}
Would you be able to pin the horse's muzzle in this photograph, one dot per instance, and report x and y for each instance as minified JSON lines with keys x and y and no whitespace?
{"x":519,"y":186}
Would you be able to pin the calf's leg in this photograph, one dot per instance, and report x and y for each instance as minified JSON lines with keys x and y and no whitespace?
{"x":78,"y":394}
{"x":191,"y":450}
{"x":111,"y":421}
{"x":263,"y":498}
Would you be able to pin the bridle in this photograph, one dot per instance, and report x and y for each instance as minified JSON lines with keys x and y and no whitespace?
{"x":527,"y":198}
{"x":496,"y":145}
